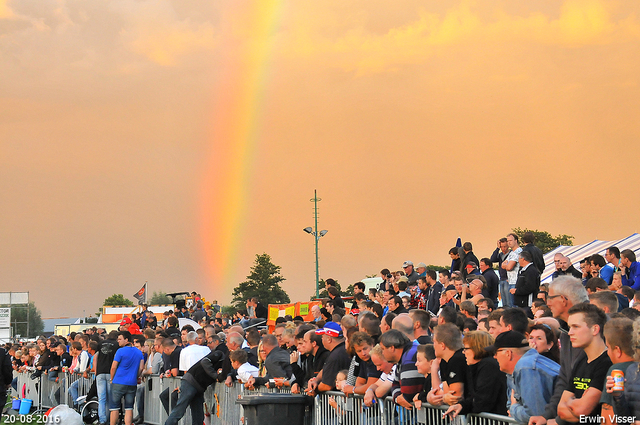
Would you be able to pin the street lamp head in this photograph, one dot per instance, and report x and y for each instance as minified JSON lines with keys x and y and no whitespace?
{"x":309,"y":230}
{"x":323,"y":232}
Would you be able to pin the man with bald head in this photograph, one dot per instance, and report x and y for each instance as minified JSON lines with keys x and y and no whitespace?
{"x":566,"y":268}
{"x":404,"y":324}
{"x":556,"y":262}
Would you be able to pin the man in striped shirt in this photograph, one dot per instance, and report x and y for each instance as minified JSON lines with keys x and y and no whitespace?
{"x":399,"y":349}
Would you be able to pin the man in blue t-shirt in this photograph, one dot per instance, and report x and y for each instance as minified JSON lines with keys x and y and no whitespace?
{"x":127,"y":366}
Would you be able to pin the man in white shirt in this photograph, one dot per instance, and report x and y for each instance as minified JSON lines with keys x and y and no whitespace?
{"x":511,"y":265}
{"x":192,"y":353}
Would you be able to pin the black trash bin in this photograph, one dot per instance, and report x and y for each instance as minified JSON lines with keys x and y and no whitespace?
{"x":274,"y":409}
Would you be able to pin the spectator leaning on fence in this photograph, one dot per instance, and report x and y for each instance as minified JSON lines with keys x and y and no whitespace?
{"x":383,"y":385}
{"x":338,"y":359}
{"x":487,"y":384}
{"x":533,"y":375}
{"x":171,"y":362}
{"x":193,"y":385}
{"x":367,"y":372}
{"x":277,"y":363}
{"x":398,"y":348}
{"x":313,"y":355}
{"x":424,"y":359}
{"x":447,"y":343}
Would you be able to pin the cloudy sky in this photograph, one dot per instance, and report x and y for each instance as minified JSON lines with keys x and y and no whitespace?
{"x":171,"y":141}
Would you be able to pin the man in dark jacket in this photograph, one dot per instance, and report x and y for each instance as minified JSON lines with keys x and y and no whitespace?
{"x":194,"y":384}
{"x":106,"y":352}
{"x":316,"y":356}
{"x":493,"y":284}
{"x":6,"y":374}
{"x":277,"y":362}
{"x":536,"y":254}
{"x":411,"y":274}
{"x":528,"y":282}
{"x":429,"y":296}
{"x":467,"y":257}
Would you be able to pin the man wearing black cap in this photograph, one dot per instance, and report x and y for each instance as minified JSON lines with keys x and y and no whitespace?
{"x":533,"y":375}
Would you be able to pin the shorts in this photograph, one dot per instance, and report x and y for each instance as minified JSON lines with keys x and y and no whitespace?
{"x":117,"y":392}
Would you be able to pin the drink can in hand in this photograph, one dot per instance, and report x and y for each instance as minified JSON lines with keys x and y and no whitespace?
{"x":618,"y":380}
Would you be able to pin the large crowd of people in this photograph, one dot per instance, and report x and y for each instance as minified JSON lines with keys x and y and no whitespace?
{"x":485,"y":336}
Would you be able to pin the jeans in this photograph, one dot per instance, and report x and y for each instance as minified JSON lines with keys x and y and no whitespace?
{"x":140,"y":398}
{"x":504,"y":294}
{"x":164,"y":398}
{"x":73,"y":390}
{"x":189,"y":396}
{"x":118,"y":391}
{"x":103,"y":385}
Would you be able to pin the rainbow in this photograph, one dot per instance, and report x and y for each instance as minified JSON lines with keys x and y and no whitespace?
{"x":234,"y":137}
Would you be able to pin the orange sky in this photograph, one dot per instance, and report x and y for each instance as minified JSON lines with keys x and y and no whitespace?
{"x":417,"y":122}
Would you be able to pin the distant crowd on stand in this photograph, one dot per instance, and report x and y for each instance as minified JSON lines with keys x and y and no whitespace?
{"x":473,"y":338}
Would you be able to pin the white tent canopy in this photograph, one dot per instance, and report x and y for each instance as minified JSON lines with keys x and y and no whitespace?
{"x":579,"y":252}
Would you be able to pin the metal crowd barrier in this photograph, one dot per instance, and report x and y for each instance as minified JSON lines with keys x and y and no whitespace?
{"x":84,"y":384}
{"x":29,"y":388}
{"x":154,"y":413}
{"x":220,"y":403}
{"x":51,"y":391}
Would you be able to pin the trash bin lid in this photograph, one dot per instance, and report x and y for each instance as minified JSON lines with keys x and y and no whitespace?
{"x":271,"y":398}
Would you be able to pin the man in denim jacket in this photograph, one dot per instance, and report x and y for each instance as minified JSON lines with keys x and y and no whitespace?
{"x":533,"y":375}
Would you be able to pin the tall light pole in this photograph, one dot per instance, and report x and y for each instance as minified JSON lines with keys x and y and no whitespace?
{"x":314,"y":231}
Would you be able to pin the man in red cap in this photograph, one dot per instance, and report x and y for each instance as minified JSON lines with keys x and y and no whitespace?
{"x":128,"y":325}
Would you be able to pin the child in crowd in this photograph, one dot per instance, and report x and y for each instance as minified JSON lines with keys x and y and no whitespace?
{"x":17,"y":360}
{"x":341,"y":380}
{"x":424,"y":358}
{"x":244,"y":369}
{"x":618,"y":334}
{"x":27,"y":362}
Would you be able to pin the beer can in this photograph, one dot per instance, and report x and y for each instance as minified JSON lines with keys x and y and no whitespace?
{"x":618,"y":380}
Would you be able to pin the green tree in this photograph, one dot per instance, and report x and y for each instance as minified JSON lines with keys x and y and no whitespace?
{"x":117,"y":299}
{"x":23,"y":313}
{"x":263,"y":283}
{"x":544,"y":240}
{"x":160,"y":298}
{"x":438,"y":268}
{"x":229,"y":309}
